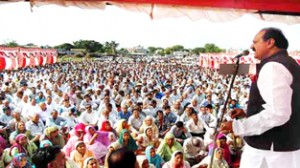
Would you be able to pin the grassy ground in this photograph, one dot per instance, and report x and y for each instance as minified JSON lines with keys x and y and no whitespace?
{"x":72,"y":58}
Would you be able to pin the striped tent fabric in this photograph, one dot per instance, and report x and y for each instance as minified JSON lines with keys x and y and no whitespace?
{"x":18,"y":57}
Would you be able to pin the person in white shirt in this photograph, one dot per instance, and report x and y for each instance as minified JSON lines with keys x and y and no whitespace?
{"x":66,"y":107}
{"x":152,"y":109}
{"x":51,"y":105}
{"x":36,"y":127}
{"x":17,"y":99}
{"x":194,"y":150}
{"x":195,"y":104}
{"x":70,"y":118}
{"x":6,"y":116}
{"x":44,"y":112}
{"x":22,"y":105}
{"x":6,"y":104}
{"x":89,"y":117}
{"x":199,"y":96}
{"x":208,"y":118}
{"x":135,"y":120}
{"x":187,"y":114}
{"x":271,"y":125}
{"x":195,"y":126}
{"x":177,"y":108}
{"x":174,"y":96}
{"x":30,"y":109}
{"x":55,"y":120}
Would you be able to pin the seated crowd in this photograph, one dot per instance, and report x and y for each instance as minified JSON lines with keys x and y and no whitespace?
{"x":89,"y":114}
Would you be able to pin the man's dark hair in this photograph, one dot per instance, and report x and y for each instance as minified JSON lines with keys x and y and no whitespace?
{"x":159,"y":111}
{"x":194,"y":113}
{"x":153,"y":102}
{"x":122,"y":158}
{"x":277,"y":35}
{"x":167,"y":107}
{"x":179,"y":124}
{"x":44,"y":156}
{"x":209,"y":106}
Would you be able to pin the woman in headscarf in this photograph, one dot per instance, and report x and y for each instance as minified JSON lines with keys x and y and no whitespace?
{"x":106,"y":127}
{"x":2,"y":142}
{"x":168,"y":147}
{"x":149,"y":122}
{"x":19,"y":129}
{"x":125,"y":141}
{"x":153,"y":158}
{"x":80,"y":153}
{"x":122,"y":124}
{"x":177,"y":161}
{"x":45,"y":144}
{"x":5,"y":157}
{"x":52,"y":134}
{"x":219,"y":161}
{"x":97,"y":142}
{"x":143,"y":162}
{"x":20,"y":161}
{"x":76,"y":134}
{"x":22,"y":145}
{"x":90,"y":163}
{"x":147,"y":139}
{"x":222,"y":143}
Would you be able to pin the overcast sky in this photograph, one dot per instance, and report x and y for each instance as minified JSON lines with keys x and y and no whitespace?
{"x":54,"y":25}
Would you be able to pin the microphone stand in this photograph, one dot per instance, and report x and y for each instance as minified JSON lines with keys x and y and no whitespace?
{"x":219,"y":120}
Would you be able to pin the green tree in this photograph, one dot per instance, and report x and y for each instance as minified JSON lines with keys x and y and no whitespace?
{"x":11,"y":43}
{"x":160,"y":51}
{"x":114,"y":45}
{"x":177,"y":48}
{"x":123,"y":52}
{"x":198,"y":50}
{"x":168,"y":50}
{"x":89,"y":45}
{"x":152,"y":50}
{"x":111,"y":47}
{"x":212,"y":48}
{"x":64,"y":46}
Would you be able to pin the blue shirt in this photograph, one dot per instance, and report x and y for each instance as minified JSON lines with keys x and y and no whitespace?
{"x":171,"y":117}
{"x":40,"y":100}
{"x":123,"y":115}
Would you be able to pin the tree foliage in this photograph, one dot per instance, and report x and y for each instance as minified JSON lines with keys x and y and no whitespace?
{"x":123,"y":52}
{"x":111,"y":47}
{"x":152,"y":49}
{"x":89,"y":45}
{"x":12,"y":43}
{"x":212,"y":48}
{"x":177,"y":48}
{"x":64,"y":46}
{"x":198,"y":50}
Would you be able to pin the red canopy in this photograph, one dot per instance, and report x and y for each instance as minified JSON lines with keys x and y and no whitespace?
{"x":284,"y":6}
{"x":286,"y":11}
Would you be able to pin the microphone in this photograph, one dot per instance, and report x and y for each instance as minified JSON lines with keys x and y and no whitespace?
{"x":244,"y":53}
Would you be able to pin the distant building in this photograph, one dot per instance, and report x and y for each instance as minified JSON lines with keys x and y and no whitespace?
{"x":180,"y":54}
{"x":138,"y":51}
{"x":63,"y":52}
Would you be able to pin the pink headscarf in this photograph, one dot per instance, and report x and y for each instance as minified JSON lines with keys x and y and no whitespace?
{"x":70,"y":146}
{"x":2,"y":142}
{"x":79,"y":127}
{"x":17,"y":145}
{"x":102,"y":136}
{"x":225,"y":148}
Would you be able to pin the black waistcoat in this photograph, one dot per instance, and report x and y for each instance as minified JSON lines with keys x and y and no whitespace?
{"x":285,"y":137}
